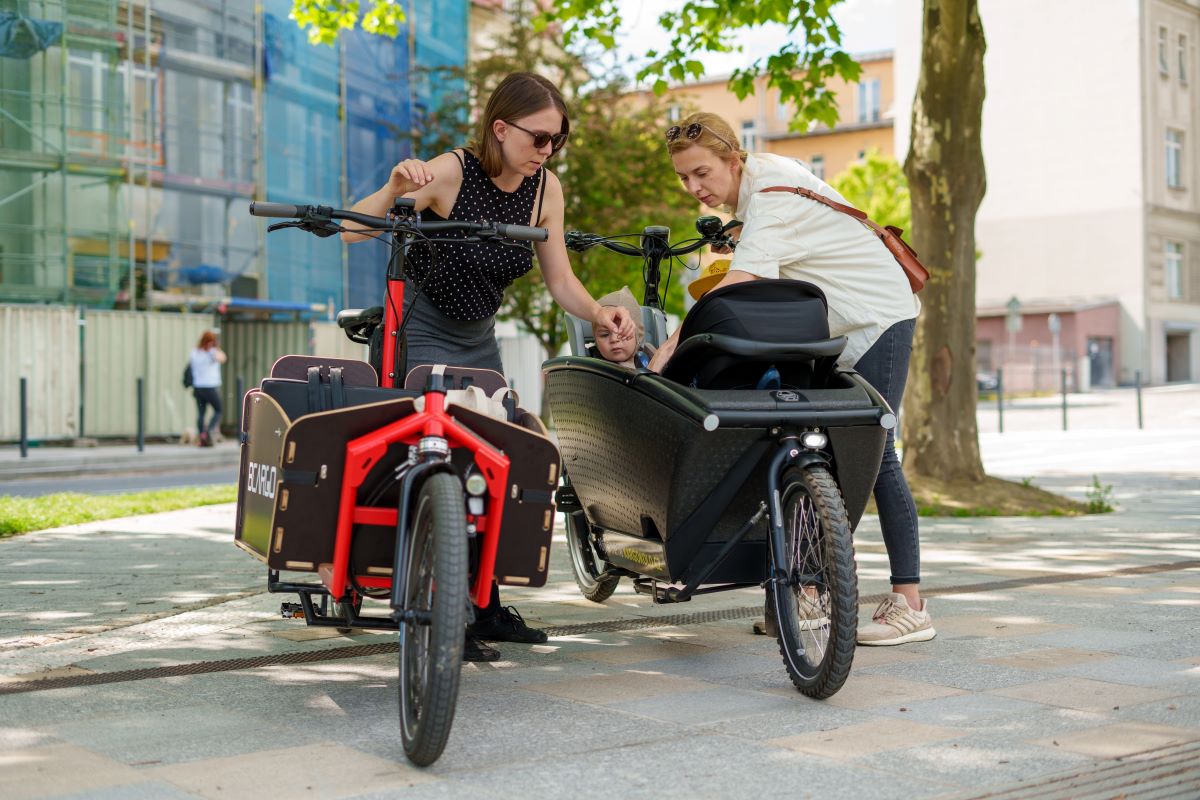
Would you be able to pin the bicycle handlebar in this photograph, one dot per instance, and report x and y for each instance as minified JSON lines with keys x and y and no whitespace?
{"x":580,"y":241}
{"x":286,"y":210}
{"x":323,"y":214}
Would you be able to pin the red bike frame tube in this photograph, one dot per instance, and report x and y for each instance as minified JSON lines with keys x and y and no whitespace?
{"x":364,"y":452}
{"x":392,"y":313}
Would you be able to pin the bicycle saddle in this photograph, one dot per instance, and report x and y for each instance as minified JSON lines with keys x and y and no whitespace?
{"x":359,"y":322}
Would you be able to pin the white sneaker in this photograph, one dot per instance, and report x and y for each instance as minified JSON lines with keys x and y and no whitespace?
{"x":810,"y":613}
{"x":895,"y":623}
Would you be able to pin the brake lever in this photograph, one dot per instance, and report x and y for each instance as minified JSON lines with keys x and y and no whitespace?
{"x":579,"y":241}
{"x":322,"y":228}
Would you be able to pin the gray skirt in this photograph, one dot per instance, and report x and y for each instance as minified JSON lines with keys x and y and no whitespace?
{"x":430,"y":337}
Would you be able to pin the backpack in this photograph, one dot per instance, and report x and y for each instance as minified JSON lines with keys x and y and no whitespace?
{"x":187,"y":376}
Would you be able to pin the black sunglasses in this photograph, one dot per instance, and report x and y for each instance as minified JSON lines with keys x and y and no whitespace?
{"x":541,"y":138}
{"x":693,"y":132}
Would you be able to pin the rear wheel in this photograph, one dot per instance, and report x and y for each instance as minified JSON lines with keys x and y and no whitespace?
{"x":817,"y":607}
{"x":431,"y":641}
{"x":586,"y":562}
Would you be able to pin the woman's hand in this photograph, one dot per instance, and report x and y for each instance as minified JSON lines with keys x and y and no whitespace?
{"x":616,"y":319}
{"x":409,"y":175}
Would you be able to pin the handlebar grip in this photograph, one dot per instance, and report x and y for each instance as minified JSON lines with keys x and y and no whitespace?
{"x":524,"y":232}
{"x":286,"y":210}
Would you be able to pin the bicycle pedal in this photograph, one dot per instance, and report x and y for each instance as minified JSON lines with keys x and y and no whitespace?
{"x":291,"y":611}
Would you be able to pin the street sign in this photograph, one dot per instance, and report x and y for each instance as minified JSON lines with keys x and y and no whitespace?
{"x":1013,"y":322}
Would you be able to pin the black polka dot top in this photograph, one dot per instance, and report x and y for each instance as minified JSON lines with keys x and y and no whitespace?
{"x":469,"y":279}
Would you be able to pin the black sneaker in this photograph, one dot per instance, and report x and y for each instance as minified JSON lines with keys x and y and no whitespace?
{"x":477,"y":651}
{"x":506,"y":625}
{"x":767,"y":626}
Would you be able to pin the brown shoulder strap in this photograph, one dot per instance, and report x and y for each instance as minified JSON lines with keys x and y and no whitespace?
{"x":820,"y":198}
{"x":836,"y":206}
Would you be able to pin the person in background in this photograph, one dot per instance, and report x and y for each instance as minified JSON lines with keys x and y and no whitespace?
{"x":206,"y":361}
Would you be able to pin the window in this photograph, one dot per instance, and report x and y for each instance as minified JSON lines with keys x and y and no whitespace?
{"x":674,"y":114}
{"x":1173,"y":266}
{"x":239,"y":165}
{"x":1163,"y":69}
{"x":749,"y":137}
{"x":818,"y":166}
{"x":1174,"y":159}
{"x":868,"y":101}
{"x":782,"y":112}
{"x":1183,"y":48}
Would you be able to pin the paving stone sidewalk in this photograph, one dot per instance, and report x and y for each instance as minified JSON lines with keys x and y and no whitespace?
{"x":1066,"y":648}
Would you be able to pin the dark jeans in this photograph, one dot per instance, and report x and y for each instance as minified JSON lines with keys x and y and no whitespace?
{"x":207,"y":396}
{"x":885,"y":366}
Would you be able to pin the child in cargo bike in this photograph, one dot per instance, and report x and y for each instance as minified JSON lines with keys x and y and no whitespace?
{"x":451,"y":306}
{"x":631,"y":352}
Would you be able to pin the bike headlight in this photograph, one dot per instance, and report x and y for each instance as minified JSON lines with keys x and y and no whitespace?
{"x":814,"y":440}
{"x":476,"y":484}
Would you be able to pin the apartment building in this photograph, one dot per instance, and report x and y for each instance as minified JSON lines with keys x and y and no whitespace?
{"x":1092,"y":212}
{"x":763,"y":121}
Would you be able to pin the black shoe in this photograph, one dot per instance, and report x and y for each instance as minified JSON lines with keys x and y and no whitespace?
{"x":767,"y":626}
{"x":477,"y":651}
{"x":506,"y":625}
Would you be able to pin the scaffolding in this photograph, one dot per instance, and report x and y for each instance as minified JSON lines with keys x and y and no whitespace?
{"x":133,"y":134}
{"x":64,"y":149}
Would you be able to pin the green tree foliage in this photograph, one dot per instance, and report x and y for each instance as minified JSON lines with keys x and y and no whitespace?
{"x":800,"y":69}
{"x":325,"y":19}
{"x":877,"y":186}
{"x":614,"y":170}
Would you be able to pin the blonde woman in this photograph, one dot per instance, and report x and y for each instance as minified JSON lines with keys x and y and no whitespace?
{"x":870,"y":303}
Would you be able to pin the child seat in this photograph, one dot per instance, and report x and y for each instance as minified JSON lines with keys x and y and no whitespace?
{"x":582,"y":341}
{"x":736,"y":333}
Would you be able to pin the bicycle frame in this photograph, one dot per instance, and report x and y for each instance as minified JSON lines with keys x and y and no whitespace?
{"x":364,"y":452}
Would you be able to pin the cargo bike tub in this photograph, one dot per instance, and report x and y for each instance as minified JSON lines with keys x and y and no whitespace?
{"x":698,"y":480}
{"x":416,"y":492}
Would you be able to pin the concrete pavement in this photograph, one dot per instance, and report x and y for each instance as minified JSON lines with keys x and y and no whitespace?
{"x":1067,"y":665}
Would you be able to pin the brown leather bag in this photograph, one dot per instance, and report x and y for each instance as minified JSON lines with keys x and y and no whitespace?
{"x":905,"y":256}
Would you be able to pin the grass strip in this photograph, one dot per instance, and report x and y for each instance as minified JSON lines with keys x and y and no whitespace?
{"x":24,"y":514}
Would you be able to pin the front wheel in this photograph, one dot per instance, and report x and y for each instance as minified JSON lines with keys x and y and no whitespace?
{"x":817,"y":605}
{"x":586,"y":562}
{"x":431,"y":639}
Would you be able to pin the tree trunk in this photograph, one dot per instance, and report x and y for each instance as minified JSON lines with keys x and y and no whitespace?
{"x":946,"y":179}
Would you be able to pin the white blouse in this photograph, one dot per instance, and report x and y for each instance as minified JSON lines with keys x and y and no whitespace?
{"x":788,"y":236}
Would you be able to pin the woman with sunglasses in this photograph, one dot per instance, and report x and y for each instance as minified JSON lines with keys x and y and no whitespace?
{"x":870,"y":303}
{"x":452,"y":300}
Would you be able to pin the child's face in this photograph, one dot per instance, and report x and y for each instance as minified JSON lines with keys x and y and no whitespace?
{"x":611,"y":348}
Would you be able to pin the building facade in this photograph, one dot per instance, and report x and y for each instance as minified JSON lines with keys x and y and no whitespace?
{"x":1093,"y":188}
{"x":763,"y":122}
{"x":135,"y":134}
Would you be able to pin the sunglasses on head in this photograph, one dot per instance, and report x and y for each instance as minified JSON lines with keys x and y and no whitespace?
{"x":541,"y":138}
{"x":693,"y":132}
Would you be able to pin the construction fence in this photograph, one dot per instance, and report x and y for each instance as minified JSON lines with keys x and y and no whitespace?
{"x":81,"y":367}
